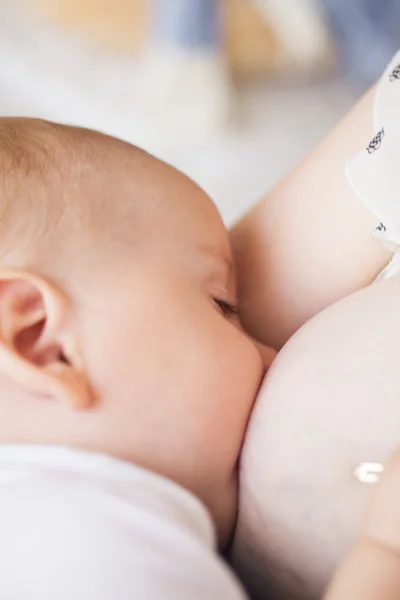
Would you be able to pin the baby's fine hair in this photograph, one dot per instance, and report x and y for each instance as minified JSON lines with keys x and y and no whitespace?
{"x":53,"y":186}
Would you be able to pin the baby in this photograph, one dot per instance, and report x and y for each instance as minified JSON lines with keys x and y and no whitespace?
{"x":119,"y":336}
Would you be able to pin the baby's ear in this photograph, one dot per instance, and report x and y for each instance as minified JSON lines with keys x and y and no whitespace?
{"x":38,"y":346}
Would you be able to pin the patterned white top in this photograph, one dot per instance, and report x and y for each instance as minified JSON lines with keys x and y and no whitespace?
{"x":374,"y":173}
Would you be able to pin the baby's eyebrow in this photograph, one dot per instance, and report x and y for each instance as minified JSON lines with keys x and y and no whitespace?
{"x":219,"y":255}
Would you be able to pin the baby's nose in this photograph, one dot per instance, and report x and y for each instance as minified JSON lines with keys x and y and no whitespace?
{"x":267,"y":354}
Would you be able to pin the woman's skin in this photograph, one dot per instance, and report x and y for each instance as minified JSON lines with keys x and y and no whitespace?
{"x":371,"y":570}
{"x":330,"y":400}
{"x":307,"y":244}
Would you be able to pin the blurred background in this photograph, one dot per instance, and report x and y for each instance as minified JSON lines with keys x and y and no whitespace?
{"x":232,"y":92}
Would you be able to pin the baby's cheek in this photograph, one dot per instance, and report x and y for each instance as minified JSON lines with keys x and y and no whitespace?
{"x":243,"y":376}
{"x":232,"y":372}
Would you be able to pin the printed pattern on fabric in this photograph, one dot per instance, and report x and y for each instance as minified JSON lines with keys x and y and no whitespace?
{"x":374,"y":173}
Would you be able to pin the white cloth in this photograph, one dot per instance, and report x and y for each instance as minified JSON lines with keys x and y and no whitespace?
{"x":374,"y":174}
{"x":81,"y":526}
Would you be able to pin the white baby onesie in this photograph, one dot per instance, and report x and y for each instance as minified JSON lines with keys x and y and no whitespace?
{"x":81,"y":526}
{"x":374,"y":174}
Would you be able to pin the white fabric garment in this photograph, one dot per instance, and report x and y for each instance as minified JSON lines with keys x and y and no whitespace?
{"x":81,"y":526}
{"x":374,"y":174}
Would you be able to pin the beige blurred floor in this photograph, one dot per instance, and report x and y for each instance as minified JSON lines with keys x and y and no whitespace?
{"x":42,"y":73}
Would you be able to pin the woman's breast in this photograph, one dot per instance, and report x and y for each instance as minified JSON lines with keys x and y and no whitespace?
{"x":330,"y":401}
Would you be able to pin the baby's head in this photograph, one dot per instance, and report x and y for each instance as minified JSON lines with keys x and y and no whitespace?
{"x":118,"y":330}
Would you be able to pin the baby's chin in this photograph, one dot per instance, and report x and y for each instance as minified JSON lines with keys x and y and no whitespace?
{"x":328,"y":403}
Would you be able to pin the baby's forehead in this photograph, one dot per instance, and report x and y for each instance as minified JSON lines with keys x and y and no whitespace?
{"x":38,"y":147}
{"x":90,"y":185}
